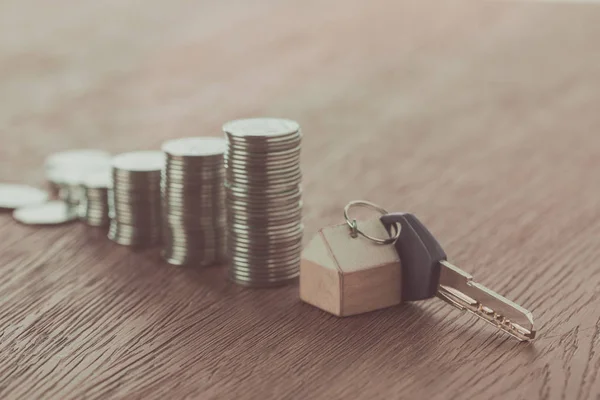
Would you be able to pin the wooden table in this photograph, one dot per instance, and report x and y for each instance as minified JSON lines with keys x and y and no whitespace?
{"x":481,"y":118}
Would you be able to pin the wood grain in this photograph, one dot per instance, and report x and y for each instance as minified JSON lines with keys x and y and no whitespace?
{"x":481,"y":118}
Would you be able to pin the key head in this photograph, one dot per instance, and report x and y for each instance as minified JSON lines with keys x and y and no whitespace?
{"x":420,"y":253}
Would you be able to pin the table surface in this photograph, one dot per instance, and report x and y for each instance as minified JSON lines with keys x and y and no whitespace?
{"x":480,"y":117}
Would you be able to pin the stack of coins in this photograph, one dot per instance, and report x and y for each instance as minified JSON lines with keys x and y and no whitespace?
{"x":65,"y":171}
{"x":134,"y":200}
{"x":193,"y":201}
{"x":263,"y":199}
{"x":93,"y":208}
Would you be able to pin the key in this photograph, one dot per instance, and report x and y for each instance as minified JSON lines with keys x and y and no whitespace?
{"x":426,"y":273}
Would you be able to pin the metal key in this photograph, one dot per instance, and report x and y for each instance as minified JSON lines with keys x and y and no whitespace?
{"x":426,"y":273}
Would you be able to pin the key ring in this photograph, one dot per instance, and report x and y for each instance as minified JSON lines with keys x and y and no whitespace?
{"x":354,"y":231}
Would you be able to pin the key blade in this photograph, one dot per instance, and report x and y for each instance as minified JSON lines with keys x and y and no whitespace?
{"x":458,"y":288}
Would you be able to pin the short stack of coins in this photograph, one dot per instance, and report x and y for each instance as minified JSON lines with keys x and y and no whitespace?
{"x":193,"y":198}
{"x":65,"y":171}
{"x":93,"y":207}
{"x":134,"y":199}
{"x":263,"y":199}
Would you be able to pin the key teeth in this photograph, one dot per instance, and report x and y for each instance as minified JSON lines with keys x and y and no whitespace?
{"x":487,"y":314}
{"x":505,"y":324}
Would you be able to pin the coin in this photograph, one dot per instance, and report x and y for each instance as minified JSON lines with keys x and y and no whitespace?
{"x":76,"y":158}
{"x":139,"y":161}
{"x":261,"y":127}
{"x":50,"y":213}
{"x":15,"y":196}
{"x":195,"y":147}
{"x":98,"y":180}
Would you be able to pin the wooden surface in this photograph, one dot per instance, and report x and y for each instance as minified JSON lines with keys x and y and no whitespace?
{"x":481,"y":118}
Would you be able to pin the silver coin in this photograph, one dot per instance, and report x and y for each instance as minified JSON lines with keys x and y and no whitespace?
{"x":210,"y":252}
{"x":81,"y":158}
{"x":266,"y":166}
{"x":73,"y":175}
{"x":195,"y":147}
{"x":198,"y":166}
{"x":271,"y":262}
{"x":253,"y":282}
{"x":133,"y":234}
{"x":254,"y":205}
{"x":15,"y":196}
{"x":98,"y":180}
{"x":208,"y":179}
{"x":99,"y":221}
{"x":253,"y":127}
{"x":195,"y":224}
{"x":133,"y":229}
{"x":251,"y":271}
{"x":252,"y":243}
{"x":198,"y":219}
{"x":139,"y":161}
{"x":266,"y":207}
{"x":260,"y":174}
{"x":203,"y":196}
{"x":263,"y":242}
{"x":268,"y":158}
{"x":136,"y":177}
{"x":264,"y":220}
{"x":193,"y":233}
{"x":263,"y":139}
{"x":264,"y":266}
{"x":263,"y":152}
{"x":193,"y":242}
{"x":50,"y":213}
{"x":273,"y":184}
{"x":183,"y":260}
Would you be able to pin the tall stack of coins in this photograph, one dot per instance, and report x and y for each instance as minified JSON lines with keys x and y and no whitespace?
{"x":134,"y":200}
{"x":263,"y":199}
{"x":193,"y":198}
{"x":93,"y":207}
{"x":65,"y":171}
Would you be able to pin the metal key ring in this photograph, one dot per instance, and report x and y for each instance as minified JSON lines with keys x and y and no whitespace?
{"x":354,"y":231}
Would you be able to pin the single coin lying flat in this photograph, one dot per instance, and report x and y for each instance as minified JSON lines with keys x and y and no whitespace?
{"x":50,"y":213}
{"x":195,"y":146}
{"x":15,"y":196}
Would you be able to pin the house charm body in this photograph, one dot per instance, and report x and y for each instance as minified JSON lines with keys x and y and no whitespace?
{"x":346,"y":276}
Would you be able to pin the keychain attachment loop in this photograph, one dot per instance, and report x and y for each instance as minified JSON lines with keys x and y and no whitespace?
{"x":354,"y":231}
